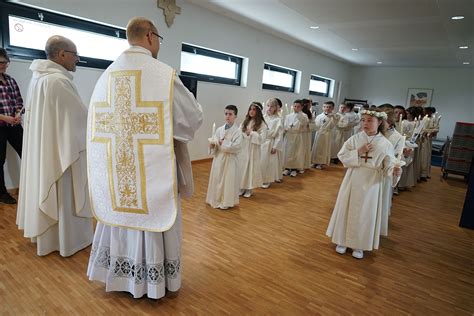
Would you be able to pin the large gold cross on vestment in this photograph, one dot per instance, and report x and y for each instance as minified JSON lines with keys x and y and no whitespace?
{"x":125,"y":124}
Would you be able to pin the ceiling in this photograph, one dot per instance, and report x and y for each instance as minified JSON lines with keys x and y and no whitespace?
{"x":401,"y":33}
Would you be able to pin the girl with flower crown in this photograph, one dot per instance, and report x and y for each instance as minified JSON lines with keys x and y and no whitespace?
{"x":254,"y":132}
{"x":368,"y":157}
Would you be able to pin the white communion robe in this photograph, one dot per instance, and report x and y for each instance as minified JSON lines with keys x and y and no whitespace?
{"x":295,"y":124}
{"x":53,"y":204}
{"x":308,"y":142}
{"x":224,"y":180}
{"x":343,"y":129}
{"x":407,"y":179}
{"x":250,"y":161}
{"x":427,"y":147}
{"x":137,"y":261}
{"x":325,"y":123}
{"x":271,"y":165}
{"x":398,"y":142}
{"x":357,"y":215}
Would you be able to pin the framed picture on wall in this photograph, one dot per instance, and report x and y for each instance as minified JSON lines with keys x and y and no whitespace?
{"x":419,"y":97}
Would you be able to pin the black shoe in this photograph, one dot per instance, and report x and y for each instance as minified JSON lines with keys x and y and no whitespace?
{"x":7,"y":198}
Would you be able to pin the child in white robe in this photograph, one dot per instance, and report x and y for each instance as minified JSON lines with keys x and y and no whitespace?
{"x":294,"y":126}
{"x":429,"y":131}
{"x":224,"y":181}
{"x":271,"y":165}
{"x":325,"y":123}
{"x":254,"y":132}
{"x":308,"y":133}
{"x":344,"y":128}
{"x":398,"y":142}
{"x":369,"y":157}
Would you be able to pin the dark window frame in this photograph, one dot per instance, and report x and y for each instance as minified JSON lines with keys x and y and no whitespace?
{"x":42,"y":15}
{"x":291,"y":72}
{"x":327,"y":81}
{"x":188,"y":48}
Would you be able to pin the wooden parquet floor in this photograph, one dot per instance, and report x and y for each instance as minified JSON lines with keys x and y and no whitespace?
{"x":270,"y":256}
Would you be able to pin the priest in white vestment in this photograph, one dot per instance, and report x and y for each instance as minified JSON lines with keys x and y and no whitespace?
{"x":53,"y":204}
{"x":140,"y":118}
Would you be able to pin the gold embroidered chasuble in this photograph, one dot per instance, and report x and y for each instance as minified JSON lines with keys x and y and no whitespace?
{"x":129,"y":130}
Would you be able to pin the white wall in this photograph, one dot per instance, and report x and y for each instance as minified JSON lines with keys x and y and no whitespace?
{"x":199,"y":26}
{"x":453,"y":95}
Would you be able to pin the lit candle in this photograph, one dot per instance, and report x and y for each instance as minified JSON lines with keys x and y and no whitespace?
{"x":213,"y":129}
{"x":286,"y":109}
{"x":400,"y":123}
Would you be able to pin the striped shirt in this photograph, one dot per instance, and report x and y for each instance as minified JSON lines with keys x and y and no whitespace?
{"x":10,"y":98}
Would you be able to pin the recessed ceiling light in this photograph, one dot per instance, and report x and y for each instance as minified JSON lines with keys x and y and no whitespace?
{"x":457,"y":17}
{"x":314,"y":27}
{"x":463,"y":47}
{"x":355,"y":49}
{"x":466,"y":63}
{"x":379,"y":62}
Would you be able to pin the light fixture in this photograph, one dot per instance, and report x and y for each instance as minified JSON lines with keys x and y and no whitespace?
{"x":355,"y":49}
{"x":379,"y":62}
{"x":466,"y":63}
{"x":314,"y":27}
{"x":457,"y":17}
{"x":463,"y":47}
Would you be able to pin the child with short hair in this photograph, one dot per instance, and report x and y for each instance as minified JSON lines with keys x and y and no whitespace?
{"x":294,"y":126}
{"x":271,"y":166}
{"x":224,"y":180}
{"x":254,"y":132}
{"x":325,"y":122}
{"x":369,"y":157}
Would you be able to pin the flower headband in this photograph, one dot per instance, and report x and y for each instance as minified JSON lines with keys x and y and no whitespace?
{"x":381,"y":115}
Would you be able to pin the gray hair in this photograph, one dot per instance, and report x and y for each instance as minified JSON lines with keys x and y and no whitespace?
{"x":56,"y":43}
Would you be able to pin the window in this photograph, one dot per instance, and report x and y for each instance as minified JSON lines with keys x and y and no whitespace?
{"x":320,"y":86}
{"x":212,"y":66}
{"x":25,"y":31}
{"x":278,"y":78}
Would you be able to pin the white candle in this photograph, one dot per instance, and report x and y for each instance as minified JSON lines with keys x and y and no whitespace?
{"x":286,"y":109}
{"x":213,"y":129}
{"x":400,"y":123}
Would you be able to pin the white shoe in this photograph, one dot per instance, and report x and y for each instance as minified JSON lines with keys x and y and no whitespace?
{"x":293,"y":173}
{"x":265,"y":185}
{"x":358,"y":254}
{"x":341,"y":249}
{"x":319,"y":167}
{"x":242,"y":191}
{"x":301,"y":171}
{"x":278,"y":180}
{"x":286,"y":172}
{"x":248,"y":194}
{"x":224,"y":207}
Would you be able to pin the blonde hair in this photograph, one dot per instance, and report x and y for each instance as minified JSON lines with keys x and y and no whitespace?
{"x":138,"y":27}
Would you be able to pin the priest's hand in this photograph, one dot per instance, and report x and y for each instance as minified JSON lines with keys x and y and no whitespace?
{"x":365,"y":149}
{"x":273,"y":151}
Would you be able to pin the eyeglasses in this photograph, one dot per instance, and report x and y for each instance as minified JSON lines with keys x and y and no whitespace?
{"x":74,"y":53}
{"x":160,"y":38}
{"x":4,"y":62}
